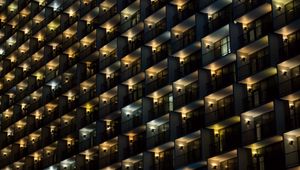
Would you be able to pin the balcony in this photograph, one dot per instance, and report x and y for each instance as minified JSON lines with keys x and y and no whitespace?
{"x":161,"y":106}
{"x":268,"y":157}
{"x":137,"y":144}
{"x":155,"y":24}
{"x":221,"y":78}
{"x":110,"y":107}
{"x":187,"y":150}
{"x":242,"y":7}
{"x":260,"y":130}
{"x":256,"y":29}
{"x":293,"y":115}
{"x":257,"y":62}
{"x":286,"y":13}
{"x":289,"y":86}
{"x":158,"y":131}
{"x":159,"y":54}
{"x":219,"y":19}
{"x":108,"y":156}
{"x":223,"y":139}
{"x":161,"y":81}
{"x":108,"y":59}
{"x":131,"y":69}
{"x":132,"y":120}
{"x":228,"y":161}
{"x":187,"y":94}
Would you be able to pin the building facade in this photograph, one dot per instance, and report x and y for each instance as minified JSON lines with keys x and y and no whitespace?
{"x":150,"y":84}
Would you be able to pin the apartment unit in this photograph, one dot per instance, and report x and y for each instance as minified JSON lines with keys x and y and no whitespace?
{"x":150,"y":84}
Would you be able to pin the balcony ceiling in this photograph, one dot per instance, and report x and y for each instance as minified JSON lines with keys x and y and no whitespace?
{"x":157,"y":16}
{"x":132,"y":8}
{"x":217,"y":35}
{"x":221,"y":93}
{"x":289,"y":29}
{"x":159,"y":39}
{"x":259,"y":76}
{"x":188,"y":50}
{"x":260,"y":110}
{"x":255,"y":46}
{"x":184,"y":25}
{"x":225,"y":123}
{"x":188,"y":138}
{"x":132,"y":32}
{"x":291,"y":63}
{"x":187,"y":79}
{"x":216,"y":6}
{"x":224,"y":157}
{"x":255,"y":13}
{"x":265,"y":142}
{"x":108,"y":3}
{"x":162,"y":147}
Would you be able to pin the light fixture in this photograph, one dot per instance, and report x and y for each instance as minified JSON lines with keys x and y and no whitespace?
{"x":243,"y":58}
{"x":291,"y":142}
{"x":247,"y":121}
{"x":179,"y":90}
{"x":279,"y":8}
{"x":284,"y":72}
{"x":208,"y":46}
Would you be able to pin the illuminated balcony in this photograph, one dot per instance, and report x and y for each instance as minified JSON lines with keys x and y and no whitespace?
{"x":131,"y":65}
{"x":186,"y":90}
{"x":161,"y":156}
{"x":255,"y":27}
{"x":220,"y":76}
{"x":270,"y":152}
{"x":188,"y":59}
{"x":187,"y":149}
{"x":290,"y":41}
{"x":135,"y":89}
{"x":291,"y":146}
{"x":289,"y":76}
{"x":184,"y":33}
{"x":218,"y":13}
{"x":285,"y":12}
{"x":217,"y":46}
{"x":258,"y":124}
{"x":241,"y":8}
{"x":191,"y":118}
{"x":132,"y":116}
{"x":227,"y":160}
{"x":162,"y":103}
{"x":255,"y":58}
{"x":136,"y":140}
{"x":223,"y":134}
{"x":159,"y":47}
{"x":155,"y":24}
{"x":133,"y":163}
{"x":109,"y":101}
{"x":108,"y":152}
{"x":260,"y":91}
{"x":158,"y":131}
{"x":219,"y":105}
{"x":156,"y":77}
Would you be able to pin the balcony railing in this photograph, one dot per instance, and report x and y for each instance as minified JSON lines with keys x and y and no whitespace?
{"x":289,"y":14}
{"x":131,"y":71}
{"x":220,"y":82}
{"x":185,"y":98}
{"x":292,"y":159}
{"x":108,"y":60}
{"x":108,"y":108}
{"x":259,"y":97}
{"x":246,"y":6}
{"x":134,"y":95}
{"x":156,"y":84}
{"x":290,"y":48}
{"x":158,"y":139}
{"x":256,"y":134}
{"x":255,"y":31}
{"x":157,"y":29}
{"x":157,"y":57}
{"x":254,"y":66}
{"x":289,"y":86}
{"x":221,"y":113}
{"x":159,"y":110}
{"x":129,"y":124}
{"x":188,"y":157}
{"x":108,"y":159}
